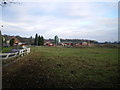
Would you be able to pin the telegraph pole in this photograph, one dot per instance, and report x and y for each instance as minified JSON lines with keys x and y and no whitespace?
{"x":0,"y":41}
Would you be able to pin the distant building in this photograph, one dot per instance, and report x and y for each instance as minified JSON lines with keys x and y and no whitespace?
{"x":17,"y":40}
{"x":70,"y":42}
{"x":56,"y":40}
{"x":49,"y":42}
{"x":78,"y":42}
{"x":84,"y":43}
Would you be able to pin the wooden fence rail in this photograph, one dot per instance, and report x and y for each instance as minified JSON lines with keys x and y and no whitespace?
{"x":20,"y":52}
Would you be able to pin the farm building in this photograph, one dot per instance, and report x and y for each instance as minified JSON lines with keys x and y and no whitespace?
{"x":17,"y":40}
{"x":71,"y":42}
{"x":77,"y":42}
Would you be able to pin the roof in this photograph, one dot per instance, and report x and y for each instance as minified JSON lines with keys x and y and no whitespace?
{"x":21,"y":39}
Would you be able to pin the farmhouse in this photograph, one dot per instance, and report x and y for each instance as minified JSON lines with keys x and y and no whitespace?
{"x":17,"y":40}
{"x":6,"y":40}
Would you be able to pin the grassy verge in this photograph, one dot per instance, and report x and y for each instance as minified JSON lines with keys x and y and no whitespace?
{"x":58,"y":67}
{"x":7,"y":49}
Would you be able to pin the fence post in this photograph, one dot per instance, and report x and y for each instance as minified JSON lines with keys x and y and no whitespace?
{"x":16,"y":54}
{"x":22,"y":52}
{"x":7,"y":55}
{"x":29,"y":50}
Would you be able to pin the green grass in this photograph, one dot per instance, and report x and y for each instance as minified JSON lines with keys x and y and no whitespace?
{"x":65,"y":68}
{"x":7,"y":49}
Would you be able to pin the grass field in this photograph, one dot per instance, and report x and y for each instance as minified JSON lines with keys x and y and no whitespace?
{"x":7,"y":49}
{"x":60,"y":67}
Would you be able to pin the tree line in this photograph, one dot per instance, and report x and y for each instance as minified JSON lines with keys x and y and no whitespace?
{"x":39,"y":40}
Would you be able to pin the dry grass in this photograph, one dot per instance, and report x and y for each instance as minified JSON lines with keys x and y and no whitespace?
{"x":58,"y":67}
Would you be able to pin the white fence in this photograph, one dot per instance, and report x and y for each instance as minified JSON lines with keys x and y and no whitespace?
{"x":21,"y":52}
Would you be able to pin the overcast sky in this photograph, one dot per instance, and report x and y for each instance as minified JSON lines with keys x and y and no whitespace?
{"x":74,"y":20}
